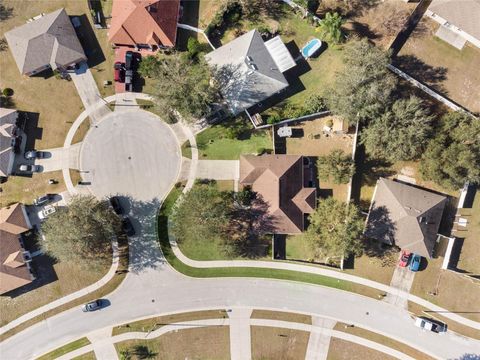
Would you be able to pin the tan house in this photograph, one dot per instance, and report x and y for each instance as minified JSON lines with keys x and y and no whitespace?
{"x":405,"y":216}
{"x":8,"y":120}
{"x":15,"y":268}
{"x":459,"y":21}
{"x":285,"y":185}
{"x":49,"y":42}
{"x":148,"y":24}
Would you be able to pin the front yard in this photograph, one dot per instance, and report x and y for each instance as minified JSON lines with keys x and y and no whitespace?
{"x":278,"y":343}
{"x":452,"y":72}
{"x":217,"y":143}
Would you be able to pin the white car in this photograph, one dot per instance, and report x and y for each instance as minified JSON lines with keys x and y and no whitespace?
{"x":46,"y":211}
{"x":430,"y":325}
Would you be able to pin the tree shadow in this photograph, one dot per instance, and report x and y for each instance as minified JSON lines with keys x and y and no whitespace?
{"x":363,"y":30}
{"x":380,"y":228}
{"x":373,"y":169}
{"x":428,"y":74}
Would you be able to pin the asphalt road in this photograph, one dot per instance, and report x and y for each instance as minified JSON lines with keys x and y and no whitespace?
{"x":131,"y":153}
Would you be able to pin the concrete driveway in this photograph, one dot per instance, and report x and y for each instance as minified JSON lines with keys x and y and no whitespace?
{"x":402,"y":280}
{"x":132,"y":153}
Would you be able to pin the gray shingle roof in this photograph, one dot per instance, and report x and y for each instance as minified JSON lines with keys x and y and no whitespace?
{"x":247,"y":73}
{"x":8,"y":117}
{"x":406,"y":216}
{"x":49,"y":40}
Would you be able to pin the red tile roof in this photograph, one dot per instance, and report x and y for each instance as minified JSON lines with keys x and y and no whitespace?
{"x":152,"y":22}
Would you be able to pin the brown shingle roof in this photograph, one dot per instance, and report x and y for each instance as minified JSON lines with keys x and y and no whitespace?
{"x":406,"y":216}
{"x":278,"y":179}
{"x":152,"y":22}
{"x":13,"y":220}
{"x":49,"y":40}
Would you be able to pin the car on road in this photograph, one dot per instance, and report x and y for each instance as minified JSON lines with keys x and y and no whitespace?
{"x":430,"y":325}
{"x":415,"y":262}
{"x":92,"y":306}
{"x":404,"y":258}
{"x":117,"y":207}
{"x":42,"y":200}
{"x":46,"y":211}
{"x":118,"y":71}
{"x":30,"y":168}
{"x":33,"y":154}
{"x":129,"y":60}
{"x":127,"y":226}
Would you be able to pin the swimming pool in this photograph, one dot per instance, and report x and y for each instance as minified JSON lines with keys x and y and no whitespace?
{"x":311,"y":48}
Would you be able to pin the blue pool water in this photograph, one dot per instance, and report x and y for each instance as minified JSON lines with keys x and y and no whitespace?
{"x":311,"y":47}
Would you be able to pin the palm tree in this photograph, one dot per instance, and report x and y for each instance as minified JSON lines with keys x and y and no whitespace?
{"x":330,"y":27}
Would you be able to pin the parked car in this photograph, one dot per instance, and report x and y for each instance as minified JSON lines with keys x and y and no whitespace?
{"x":30,"y":168}
{"x":415,"y":262}
{"x":127,"y":226}
{"x":46,"y":211}
{"x":129,"y":60}
{"x":117,"y":207}
{"x":118,"y":71}
{"x":42,"y":200}
{"x":404,"y":259}
{"x":92,"y":306}
{"x":430,"y":325}
{"x":33,"y":154}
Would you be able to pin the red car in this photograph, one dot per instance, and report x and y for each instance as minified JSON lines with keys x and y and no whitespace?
{"x":405,"y":258}
{"x":118,"y":71}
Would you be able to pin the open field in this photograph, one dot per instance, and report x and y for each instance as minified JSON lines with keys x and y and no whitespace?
{"x":214,"y":143}
{"x":211,"y":342}
{"x":278,"y":343}
{"x":441,"y":66}
{"x":25,"y":189}
{"x":88,"y":356}
{"x":54,"y":100}
{"x":345,"y":350}
{"x":155,"y":323}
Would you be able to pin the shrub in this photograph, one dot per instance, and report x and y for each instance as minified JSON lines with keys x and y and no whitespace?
{"x":314,"y":103}
{"x":7,"y":92}
{"x":273,"y":119}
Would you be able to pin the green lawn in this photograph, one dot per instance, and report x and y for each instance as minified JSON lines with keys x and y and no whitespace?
{"x":186,"y":150}
{"x":214,"y":143}
{"x":77,"y":344}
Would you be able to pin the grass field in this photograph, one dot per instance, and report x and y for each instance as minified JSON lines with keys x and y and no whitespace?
{"x":214,"y":144}
{"x":65,"y":349}
{"x":278,"y":343}
{"x":211,"y":342}
{"x":345,"y":350}
{"x":282,"y":316}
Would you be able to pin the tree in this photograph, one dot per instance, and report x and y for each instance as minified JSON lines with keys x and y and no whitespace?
{"x":336,"y":166}
{"x":453,"y":156}
{"x":335,"y":229}
{"x":330,"y":28}
{"x":362,"y":90}
{"x":149,"y":66}
{"x":401,"y":133}
{"x":314,"y":103}
{"x":81,"y":232}
{"x":183,"y":86}
{"x":3,"y":45}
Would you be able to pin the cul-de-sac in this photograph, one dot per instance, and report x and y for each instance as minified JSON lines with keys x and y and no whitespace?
{"x":239,"y":179}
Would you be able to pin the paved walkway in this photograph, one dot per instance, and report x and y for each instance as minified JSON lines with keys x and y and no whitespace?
{"x":60,"y":158}
{"x":402,"y":280}
{"x":218,"y":169}
{"x":88,"y":91}
{"x":319,"y":341}
{"x":107,"y":343}
{"x":240,"y":336}
{"x":102,"y":346}
{"x":42,"y":309}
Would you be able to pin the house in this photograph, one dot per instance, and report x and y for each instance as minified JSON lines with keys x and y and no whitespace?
{"x":285,"y":184}
{"x":405,"y":216}
{"x":459,"y":21}
{"x":144,"y":24}
{"x":8,"y":120}
{"x":49,"y":42}
{"x":15,"y":268}
{"x":249,"y":70}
